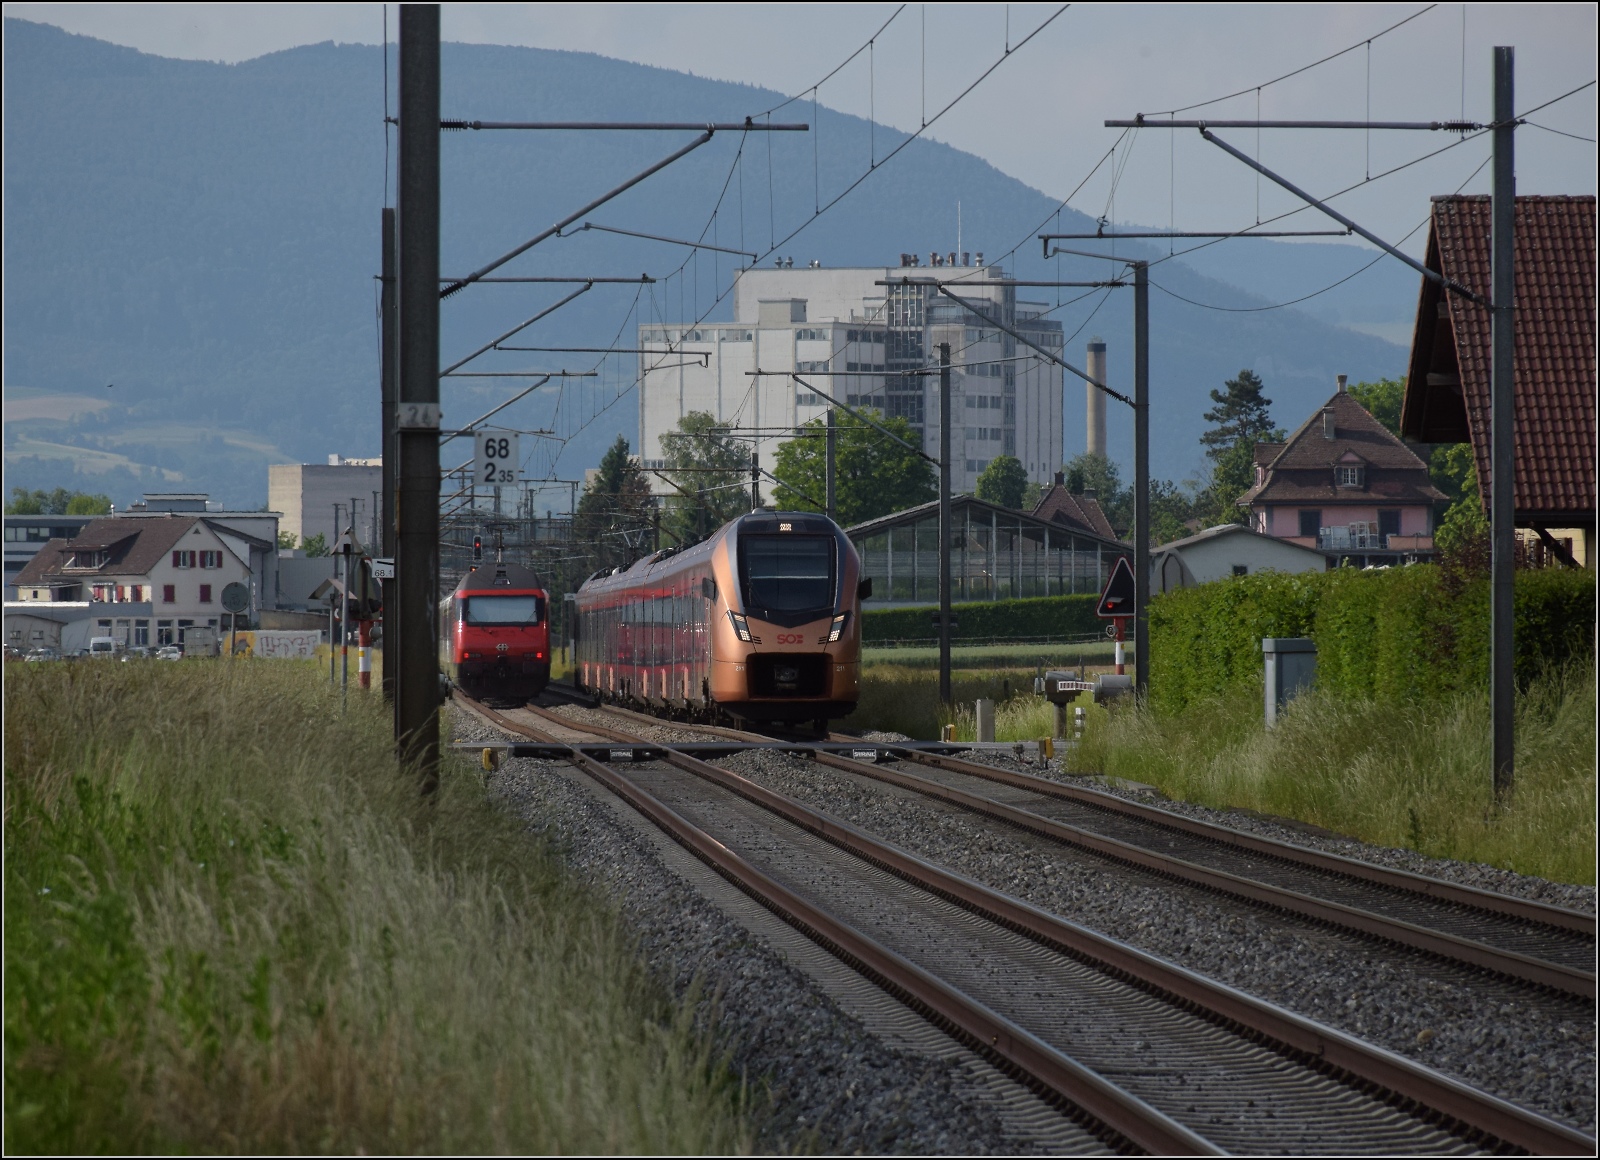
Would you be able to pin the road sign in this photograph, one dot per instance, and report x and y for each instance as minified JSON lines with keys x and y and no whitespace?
{"x":236,"y":598}
{"x":498,"y":458}
{"x":1117,"y":599}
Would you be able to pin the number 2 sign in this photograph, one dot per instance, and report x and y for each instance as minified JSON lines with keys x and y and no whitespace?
{"x":498,"y":458}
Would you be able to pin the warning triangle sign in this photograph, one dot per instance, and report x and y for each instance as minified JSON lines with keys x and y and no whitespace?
{"x":1117,"y":599}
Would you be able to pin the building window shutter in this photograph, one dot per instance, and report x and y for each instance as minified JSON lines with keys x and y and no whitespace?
{"x":205,"y":594}
{"x":169,"y":593}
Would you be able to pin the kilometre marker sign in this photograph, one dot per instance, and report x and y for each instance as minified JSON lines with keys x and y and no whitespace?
{"x":498,"y":458}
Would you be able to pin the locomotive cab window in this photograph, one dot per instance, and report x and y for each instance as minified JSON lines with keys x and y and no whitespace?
{"x":502,"y":610}
{"x":785,"y":576}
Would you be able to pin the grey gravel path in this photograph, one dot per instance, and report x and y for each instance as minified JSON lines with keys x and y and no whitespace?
{"x":1535,"y":1049}
{"x":843,"y":1069}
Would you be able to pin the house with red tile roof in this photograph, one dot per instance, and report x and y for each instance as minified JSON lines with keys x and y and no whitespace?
{"x":1079,"y":511}
{"x":147,"y":579}
{"x":1554,"y":385}
{"x":1344,"y":485}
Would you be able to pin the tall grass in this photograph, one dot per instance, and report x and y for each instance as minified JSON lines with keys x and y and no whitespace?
{"x":895,"y":699}
{"x":231,"y":925}
{"x":1408,"y":774}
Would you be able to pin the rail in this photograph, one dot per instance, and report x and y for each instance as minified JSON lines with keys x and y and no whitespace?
{"x":1418,"y":1092}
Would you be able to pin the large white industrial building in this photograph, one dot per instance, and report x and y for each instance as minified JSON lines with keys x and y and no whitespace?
{"x":851,"y":332}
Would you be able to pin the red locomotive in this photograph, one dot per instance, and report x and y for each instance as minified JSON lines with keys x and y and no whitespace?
{"x":494,"y":633}
{"x":761,"y":622}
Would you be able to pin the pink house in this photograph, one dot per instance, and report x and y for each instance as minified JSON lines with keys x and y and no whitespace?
{"x":1343,"y":485}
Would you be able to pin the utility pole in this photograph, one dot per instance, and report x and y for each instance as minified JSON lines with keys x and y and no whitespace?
{"x":1502,"y":499}
{"x":344,"y":612}
{"x":333,"y":598}
{"x":830,"y":460}
{"x":1141,"y":478}
{"x":944,"y":524}
{"x":417,"y":426}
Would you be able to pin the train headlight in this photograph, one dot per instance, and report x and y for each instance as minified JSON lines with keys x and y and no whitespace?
{"x":739,"y":625}
{"x":836,"y":629}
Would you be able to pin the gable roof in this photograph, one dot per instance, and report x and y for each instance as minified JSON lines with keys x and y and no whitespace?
{"x":1219,"y":531}
{"x":136,"y":544}
{"x":1076,"y":512}
{"x":1447,"y":387}
{"x":964,"y":506}
{"x":1302,"y":469}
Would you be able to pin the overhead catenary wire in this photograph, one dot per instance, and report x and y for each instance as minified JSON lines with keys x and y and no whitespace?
{"x":776,"y":243}
{"x":1315,"y":293}
{"x":1303,"y":68}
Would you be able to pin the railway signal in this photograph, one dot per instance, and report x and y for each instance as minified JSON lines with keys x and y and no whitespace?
{"x":1118,"y":602}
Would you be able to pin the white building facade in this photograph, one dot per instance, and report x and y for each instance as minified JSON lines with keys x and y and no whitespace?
{"x":841,"y":332}
{"x":144,"y":580}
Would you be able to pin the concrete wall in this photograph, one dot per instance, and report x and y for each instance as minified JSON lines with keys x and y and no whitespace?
{"x":306,"y":492}
{"x":298,"y":578}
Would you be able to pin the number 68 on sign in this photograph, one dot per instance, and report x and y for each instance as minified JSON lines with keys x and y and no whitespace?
{"x":498,"y":458}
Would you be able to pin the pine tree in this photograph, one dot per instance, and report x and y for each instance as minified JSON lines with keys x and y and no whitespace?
{"x":1239,"y":416}
{"x":613,"y":516}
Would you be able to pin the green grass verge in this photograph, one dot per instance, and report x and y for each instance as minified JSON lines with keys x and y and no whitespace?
{"x":232,"y":925}
{"x":1414,"y":775}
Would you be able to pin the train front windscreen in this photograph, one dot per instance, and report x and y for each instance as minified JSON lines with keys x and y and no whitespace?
{"x":498,"y":611}
{"x":788,"y":579}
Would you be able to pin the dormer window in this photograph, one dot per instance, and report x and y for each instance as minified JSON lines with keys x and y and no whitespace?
{"x":87,"y":560}
{"x":1348,"y":475}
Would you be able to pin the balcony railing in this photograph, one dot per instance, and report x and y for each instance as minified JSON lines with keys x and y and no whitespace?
{"x":1362,"y":538}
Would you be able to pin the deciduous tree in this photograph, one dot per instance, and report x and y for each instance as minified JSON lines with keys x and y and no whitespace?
{"x":711,"y":471}
{"x":1003,"y":482}
{"x":59,"y":502}
{"x":873,"y":475}
{"x":1382,"y":401}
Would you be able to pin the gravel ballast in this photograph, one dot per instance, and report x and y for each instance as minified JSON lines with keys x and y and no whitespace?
{"x":1530,"y":1047}
{"x":843,"y":1069}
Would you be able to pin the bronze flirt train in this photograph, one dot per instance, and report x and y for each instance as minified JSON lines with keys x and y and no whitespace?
{"x":761,"y":622}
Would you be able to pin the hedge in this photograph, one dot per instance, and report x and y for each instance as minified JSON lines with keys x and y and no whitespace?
{"x":1042,"y":616}
{"x":1399,"y":633}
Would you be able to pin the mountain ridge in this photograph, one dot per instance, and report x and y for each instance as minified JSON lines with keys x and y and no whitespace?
{"x":205,"y":236}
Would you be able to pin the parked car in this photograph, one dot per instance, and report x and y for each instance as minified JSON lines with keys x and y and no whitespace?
{"x":43,"y":653}
{"x":169,"y":652}
{"x":137,"y":653}
{"x":104,"y":647}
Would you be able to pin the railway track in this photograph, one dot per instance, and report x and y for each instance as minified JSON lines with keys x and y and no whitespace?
{"x":1514,"y":938}
{"x":1147,"y":1054}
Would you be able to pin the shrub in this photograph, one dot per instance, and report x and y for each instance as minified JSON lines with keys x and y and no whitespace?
{"x":1395,"y":634}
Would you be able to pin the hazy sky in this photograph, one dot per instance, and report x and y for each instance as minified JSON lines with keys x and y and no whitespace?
{"x":1039,"y":116}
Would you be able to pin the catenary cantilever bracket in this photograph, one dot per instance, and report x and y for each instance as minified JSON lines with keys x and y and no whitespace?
{"x":1449,"y":284}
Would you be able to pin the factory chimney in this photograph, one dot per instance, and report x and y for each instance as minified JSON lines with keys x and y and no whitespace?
{"x":1095,"y":410}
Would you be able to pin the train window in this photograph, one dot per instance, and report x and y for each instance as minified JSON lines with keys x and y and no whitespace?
{"x":787,"y":573}
{"x":504,"y":609}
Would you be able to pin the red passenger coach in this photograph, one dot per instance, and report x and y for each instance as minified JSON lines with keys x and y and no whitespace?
{"x":761,"y":622}
{"x":494,"y":633}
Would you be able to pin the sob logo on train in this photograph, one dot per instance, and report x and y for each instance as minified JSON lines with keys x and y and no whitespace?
{"x":791,"y":638}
